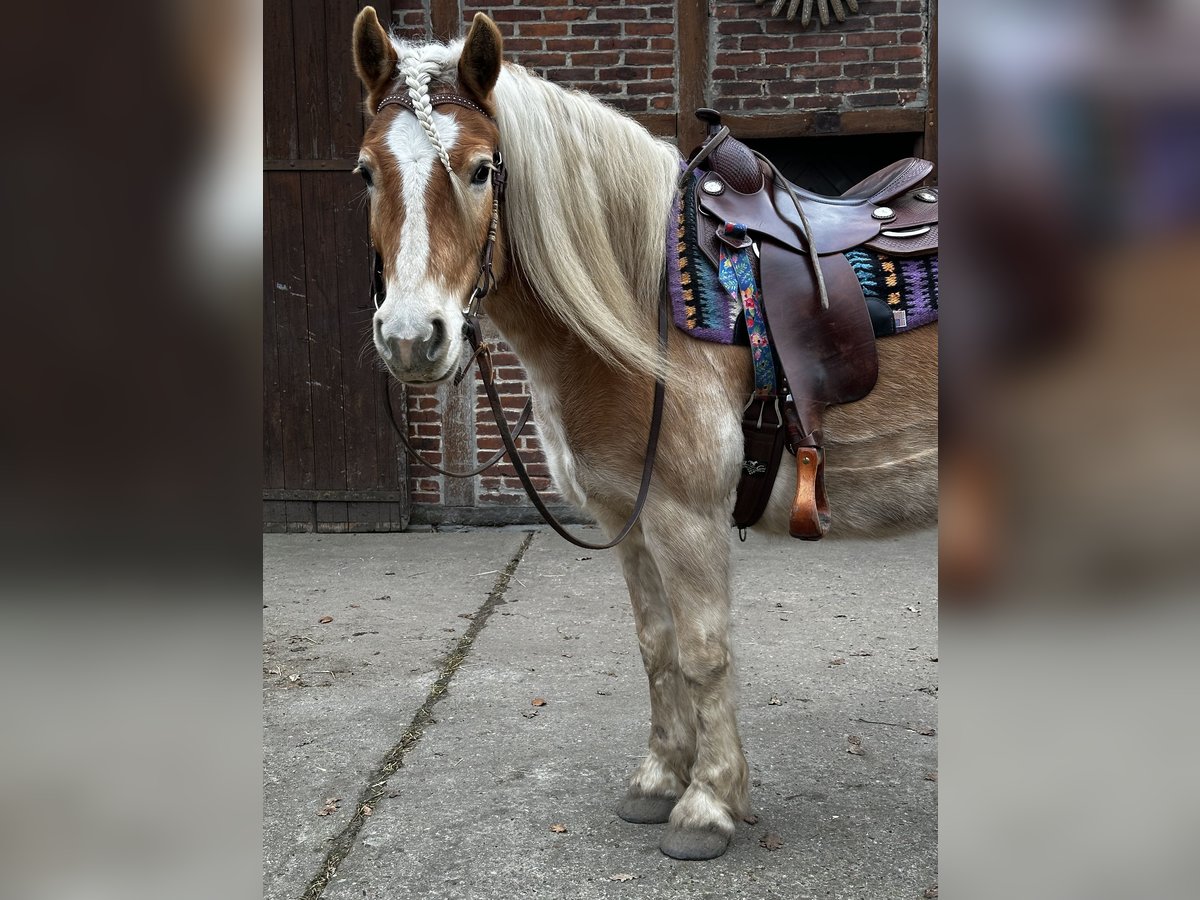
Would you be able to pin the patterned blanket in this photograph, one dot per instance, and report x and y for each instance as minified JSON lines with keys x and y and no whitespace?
{"x":707,"y":309}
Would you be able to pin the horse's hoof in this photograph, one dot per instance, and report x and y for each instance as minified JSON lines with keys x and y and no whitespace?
{"x":646,"y":810}
{"x":694,"y":843}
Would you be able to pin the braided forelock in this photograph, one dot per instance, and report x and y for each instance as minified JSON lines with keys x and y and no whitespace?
{"x":417,"y":73}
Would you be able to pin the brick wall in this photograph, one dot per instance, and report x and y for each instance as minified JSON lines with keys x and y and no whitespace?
{"x":626,"y":54}
{"x":764,"y":63}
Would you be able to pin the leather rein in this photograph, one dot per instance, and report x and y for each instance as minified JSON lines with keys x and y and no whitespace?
{"x":481,"y":351}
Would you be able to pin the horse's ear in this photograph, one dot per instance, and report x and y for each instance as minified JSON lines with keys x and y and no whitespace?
{"x":479,"y":65}
{"x":374,"y":56}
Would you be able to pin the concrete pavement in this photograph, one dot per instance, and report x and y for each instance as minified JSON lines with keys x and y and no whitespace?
{"x":415,"y":702}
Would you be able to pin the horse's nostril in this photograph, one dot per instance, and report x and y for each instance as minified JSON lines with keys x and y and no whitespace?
{"x":436,"y":339}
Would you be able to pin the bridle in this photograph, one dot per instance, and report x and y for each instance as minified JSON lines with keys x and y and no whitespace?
{"x":473,"y":312}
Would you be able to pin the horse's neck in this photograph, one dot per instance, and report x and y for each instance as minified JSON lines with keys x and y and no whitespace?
{"x":548,"y":351}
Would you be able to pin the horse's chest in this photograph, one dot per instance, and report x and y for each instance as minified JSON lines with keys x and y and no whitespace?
{"x":560,"y":460}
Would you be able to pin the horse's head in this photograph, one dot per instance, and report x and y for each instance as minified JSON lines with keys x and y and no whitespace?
{"x":428,"y":168}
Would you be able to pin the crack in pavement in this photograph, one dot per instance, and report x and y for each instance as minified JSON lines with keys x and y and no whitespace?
{"x":343,"y":842}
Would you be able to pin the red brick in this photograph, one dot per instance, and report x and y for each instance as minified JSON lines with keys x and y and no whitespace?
{"x":542,"y":29}
{"x":662,"y":102}
{"x":567,"y":45}
{"x":884,"y":98}
{"x":871,"y":39}
{"x":517,"y":45}
{"x":885,"y":23}
{"x":827,"y":71}
{"x":791,"y":87}
{"x":910,"y":68}
{"x":764,"y":42}
{"x":646,"y":58}
{"x":624,"y":13}
{"x":741,"y":89}
{"x":793,"y":56}
{"x":651,"y":87}
{"x":630,"y":104}
{"x":734,"y":27}
{"x":857,"y":55}
{"x":596,"y":28}
{"x":844,"y":85}
{"x":739,"y":59}
{"x":766,"y":103}
{"x":764,"y":73}
{"x":623,"y":73}
{"x":807,"y":39}
{"x":662,"y":43}
{"x":569,"y":14}
{"x":515,"y":14}
{"x":650,"y":28}
{"x":543,"y":59}
{"x":663,"y":72}
{"x":600,"y":58}
{"x":909,"y":82}
{"x":899,"y":52}
{"x":853,"y":70}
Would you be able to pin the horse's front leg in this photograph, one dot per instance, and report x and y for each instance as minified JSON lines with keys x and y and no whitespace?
{"x":691,"y":549}
{"x":662,"y":777}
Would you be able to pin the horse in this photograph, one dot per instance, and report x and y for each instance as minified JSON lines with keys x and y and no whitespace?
{"x":579,"y":259}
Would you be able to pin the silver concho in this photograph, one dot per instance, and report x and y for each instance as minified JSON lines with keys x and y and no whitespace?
{"x":712,"y":186}
{"x":926,"y":195}
{"x":883,"y":213}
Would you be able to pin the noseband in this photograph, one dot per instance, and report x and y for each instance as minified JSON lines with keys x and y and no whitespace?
{"x":485,"y":282}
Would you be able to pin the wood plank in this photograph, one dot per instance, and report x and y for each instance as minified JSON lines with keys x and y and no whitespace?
{"x":274,"y":517}
{"x":324,"y":344}
{"x":290,"y":335}
{"x":692,"y":49}
{"x":359,"y":373}
{"x":332,"y":517}
{"x":658,"y":124}
{"x":445,"y":19}
{"x":272,"y":432}
{"x":301,"y":516}
{"x":378,"y":517}
{"x":806,"y":124}
{"x":312,"y":82}
{"x":311,"y":165}
{"x":342,"y":496}
{"x":280,"y":139}
{"x":458,"y":441}
{"x":344,"y":89}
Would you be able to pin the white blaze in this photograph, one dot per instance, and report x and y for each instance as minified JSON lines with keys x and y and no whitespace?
{"x":413,"y":299}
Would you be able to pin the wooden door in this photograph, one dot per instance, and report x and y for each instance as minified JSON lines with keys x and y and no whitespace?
{"x":330,"y":459}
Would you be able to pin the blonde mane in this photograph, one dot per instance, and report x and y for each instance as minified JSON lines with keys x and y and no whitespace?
{"x":589,"y":195}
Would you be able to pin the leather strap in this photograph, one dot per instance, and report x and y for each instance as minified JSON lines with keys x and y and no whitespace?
{"x":763,"y":433}
{"x":482,"y":355}
{"x":434,"y":100}
{"x":522,"y":421}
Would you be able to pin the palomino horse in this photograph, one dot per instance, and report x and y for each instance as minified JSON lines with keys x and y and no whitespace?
{"x":579,"y":259}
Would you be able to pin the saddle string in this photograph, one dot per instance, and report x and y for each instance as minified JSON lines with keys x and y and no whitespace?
{"x":813,"y":256}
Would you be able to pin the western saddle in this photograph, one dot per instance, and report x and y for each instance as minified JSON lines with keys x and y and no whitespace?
{"x":819,"y":324}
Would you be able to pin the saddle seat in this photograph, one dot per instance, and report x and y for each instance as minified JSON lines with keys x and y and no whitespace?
{"x":825,"y":350}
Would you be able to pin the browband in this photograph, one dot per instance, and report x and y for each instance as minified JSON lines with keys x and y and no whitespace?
{"x":434,"y":100}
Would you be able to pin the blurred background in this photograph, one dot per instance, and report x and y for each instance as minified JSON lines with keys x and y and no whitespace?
{"x":130,"y":520}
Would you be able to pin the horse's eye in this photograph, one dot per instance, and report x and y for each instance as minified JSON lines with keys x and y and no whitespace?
{"x":481,"y":173}
{"x":365,"y":173}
